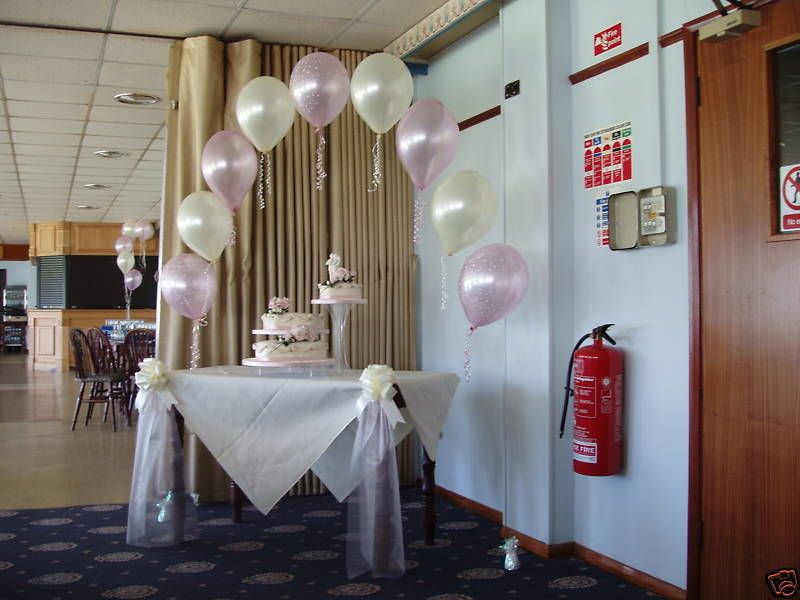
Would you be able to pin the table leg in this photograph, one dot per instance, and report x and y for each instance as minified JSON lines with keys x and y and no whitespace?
{"x":429,"y":498}
{"x":237,"y":499}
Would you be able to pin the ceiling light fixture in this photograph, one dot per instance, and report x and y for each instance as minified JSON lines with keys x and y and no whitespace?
{"x":86,"y":207}
{"x":96,"y":186}
{"x":136,"y":98}
{"x":110,"y":153}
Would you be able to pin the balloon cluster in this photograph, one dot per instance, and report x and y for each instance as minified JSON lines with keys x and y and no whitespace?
{"x":132,"y":230}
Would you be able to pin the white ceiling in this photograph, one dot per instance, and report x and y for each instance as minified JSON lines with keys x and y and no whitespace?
{"x":57,"y":90}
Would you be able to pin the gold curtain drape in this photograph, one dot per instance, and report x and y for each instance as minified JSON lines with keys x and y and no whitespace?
{"x":282,"y":250}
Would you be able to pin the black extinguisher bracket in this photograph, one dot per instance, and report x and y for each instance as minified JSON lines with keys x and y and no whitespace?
{"x":599,"y":332}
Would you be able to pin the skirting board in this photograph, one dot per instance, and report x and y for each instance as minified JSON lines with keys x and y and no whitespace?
{"x":540,"y":548}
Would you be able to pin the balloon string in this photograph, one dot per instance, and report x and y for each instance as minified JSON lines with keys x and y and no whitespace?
{"x":128,"y":294}
{"x":321,"y":173}
{"x":377,"y":165}
{"x":268,"y":177}
{"x":144,"y":254}
{"x":262,"y":203}
{"x":443,"y":273}
{"x":195,"y":351}
{"x":419,"y":213}
{"x":468,"y":355}
{"x":234,"y":237}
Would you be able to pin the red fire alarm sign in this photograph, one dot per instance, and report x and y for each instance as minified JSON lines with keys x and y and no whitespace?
{"x":608,"y":39}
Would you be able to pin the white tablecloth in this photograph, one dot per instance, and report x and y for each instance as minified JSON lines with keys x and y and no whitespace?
{"x":267,"y":430}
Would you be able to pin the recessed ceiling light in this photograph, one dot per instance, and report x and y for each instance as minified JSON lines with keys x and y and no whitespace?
{"x":96,"y":186}
{"x":136,"y":98}
{"x":110,"y":153}
{"x":86,"y":207}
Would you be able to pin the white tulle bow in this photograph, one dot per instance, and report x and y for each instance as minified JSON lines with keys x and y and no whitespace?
{"x":152,"y":380}
{"x":377,"y":385}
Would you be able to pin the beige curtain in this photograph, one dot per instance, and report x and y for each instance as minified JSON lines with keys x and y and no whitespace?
{"x":282,"y":250}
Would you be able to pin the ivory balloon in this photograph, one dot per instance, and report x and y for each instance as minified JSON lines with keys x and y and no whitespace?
{"x":129,"y":228}
{"x":144,"y":230}
{"x":381,"y":90}
{"x":463,"y":210}
{"x":205,"y":224}
{"x":188,"y":284}
{"x":265,"y":111}
{"x":125,"y":262}
{"x":123,"y":244}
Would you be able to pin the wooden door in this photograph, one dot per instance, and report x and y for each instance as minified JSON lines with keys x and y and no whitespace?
{"x":750,"y":318}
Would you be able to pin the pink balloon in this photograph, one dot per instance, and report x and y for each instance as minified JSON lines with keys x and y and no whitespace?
{"x":320,"y":87}
{"x":492,"y":283}
{"x":427,"y":138}
{"x":133,"y":279}
{"x":188,"y":284}
{"x":144,"y":229}
{"x":230,"y":166}
{"x":123,"y":244}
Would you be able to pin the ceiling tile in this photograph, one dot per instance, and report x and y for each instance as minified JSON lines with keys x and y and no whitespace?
{"x":127,"y":114}
{"x":88,"y":150}
{"x":50,"y":42}
{"x":43,"y":169}
{"x":400,"y":15}
{"x":153,"y":155}
{"x":340,"y":9}
{"x":105,"y":97}
{"x":151,"y":165}
{"x":44,"y":150}
{"x":5,"y":148}
{"x":4,"y":137}
{"x":47,"y":110}
{"x":91,"y":14}
{"x":48,"y":92}
{"x":363,"y":36}
{"x":227,"y":3}
{"x":56,"y":161}
{"x":121,"y":130}
{"x":95,"y":171}
{"x":133,"y":77}
{"x":45,"y":125}
{"x":40,"y":68}
{"x":104,"y":141}
{"x":59,"y":139}
{"x":284,"y":28}
{"x":157,"y":145}
{"x":181,"y":19}
{"x":132,"y":49}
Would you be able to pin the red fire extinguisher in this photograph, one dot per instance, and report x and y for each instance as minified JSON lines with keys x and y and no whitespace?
{"x":597,"y":388}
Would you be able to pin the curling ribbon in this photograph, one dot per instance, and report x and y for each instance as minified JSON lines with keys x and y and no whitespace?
{"x":234,"y":237}
{"x":321,"y":173}
{"x":195,"y":350}
{"x":144,"y":254}
{"x":377,"y":165}
{"x":268,"y":177}
{"x":128,"y":294}
{"x":468,"y":354}
{"x":419,"y":212}
{"x":262,"y":203}
{"x":443,"y":273}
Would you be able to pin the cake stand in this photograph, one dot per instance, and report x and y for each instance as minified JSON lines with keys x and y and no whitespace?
{"x":285,"y":331}
{"x":339,"y":309}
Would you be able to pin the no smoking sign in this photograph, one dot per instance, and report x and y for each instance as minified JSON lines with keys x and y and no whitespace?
{"x":790,"y":197}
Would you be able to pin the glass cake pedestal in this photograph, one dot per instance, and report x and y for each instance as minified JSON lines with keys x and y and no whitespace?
{"x":339,"y":310}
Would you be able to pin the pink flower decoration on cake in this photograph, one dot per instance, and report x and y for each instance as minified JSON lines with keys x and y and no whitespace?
{"x":279,"y":305}
{"x":340,"y":274}
{"x":302,"y":333}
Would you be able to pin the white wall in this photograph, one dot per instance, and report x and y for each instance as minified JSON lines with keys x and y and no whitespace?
{"x":638,"y":517}
{"x":21,"y":272}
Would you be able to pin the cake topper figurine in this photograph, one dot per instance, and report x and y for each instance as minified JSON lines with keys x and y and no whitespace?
{"x":334,"y":262}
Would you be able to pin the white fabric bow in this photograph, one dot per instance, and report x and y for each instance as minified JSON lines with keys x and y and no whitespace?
{"x":152,"y":379}
{"x":377,"y":385}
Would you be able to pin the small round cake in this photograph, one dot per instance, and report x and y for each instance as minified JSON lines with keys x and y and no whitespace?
{"x":341,"y":283}
{"x":278,"y":351}
{"x":289,"y":320}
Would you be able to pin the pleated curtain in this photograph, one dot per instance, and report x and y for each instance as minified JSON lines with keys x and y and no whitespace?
{"x":281,"y":251}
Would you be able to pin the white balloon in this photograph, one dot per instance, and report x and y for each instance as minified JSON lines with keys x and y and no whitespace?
{"x":129,"y":228}
{"x":205,"y":224}
{"x":144,"y":230}
{"x":125,"y":262}
{"x":381,"y":89}
{"x":265,"y":111}
{"x":463,"y":210}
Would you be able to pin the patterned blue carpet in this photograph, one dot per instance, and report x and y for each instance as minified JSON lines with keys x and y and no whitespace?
{"x":296,"y":552}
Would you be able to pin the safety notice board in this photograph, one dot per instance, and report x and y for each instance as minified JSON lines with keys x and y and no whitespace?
{"x":789,"y":182}
{"x":608,"y":156}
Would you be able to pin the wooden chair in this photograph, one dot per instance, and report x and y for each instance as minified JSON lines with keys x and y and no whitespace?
{"x":113,"y":375}
{"x":139,"y":344}
{"x":101,"y":386}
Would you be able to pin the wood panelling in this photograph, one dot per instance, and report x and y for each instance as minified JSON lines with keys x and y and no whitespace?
{"x":610,"y":63}
{"x":479,"y":509}
{"x":538,"y":547}
{"x":750,"y":415}
{"x":86,"y":239}
{"x":48,"y":333}
{"x":657,"y":586}
{"x":480,"y":118}
{"x":13,"y":251}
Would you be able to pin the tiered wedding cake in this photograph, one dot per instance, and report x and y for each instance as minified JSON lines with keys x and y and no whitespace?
{"x":294,"y":337}
{"x":341,"y":283}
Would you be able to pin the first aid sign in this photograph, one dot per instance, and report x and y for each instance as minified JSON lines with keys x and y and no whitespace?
{"x":789,"y":178}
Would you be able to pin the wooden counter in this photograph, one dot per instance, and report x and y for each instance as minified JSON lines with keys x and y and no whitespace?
{"x":48,"y":332}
